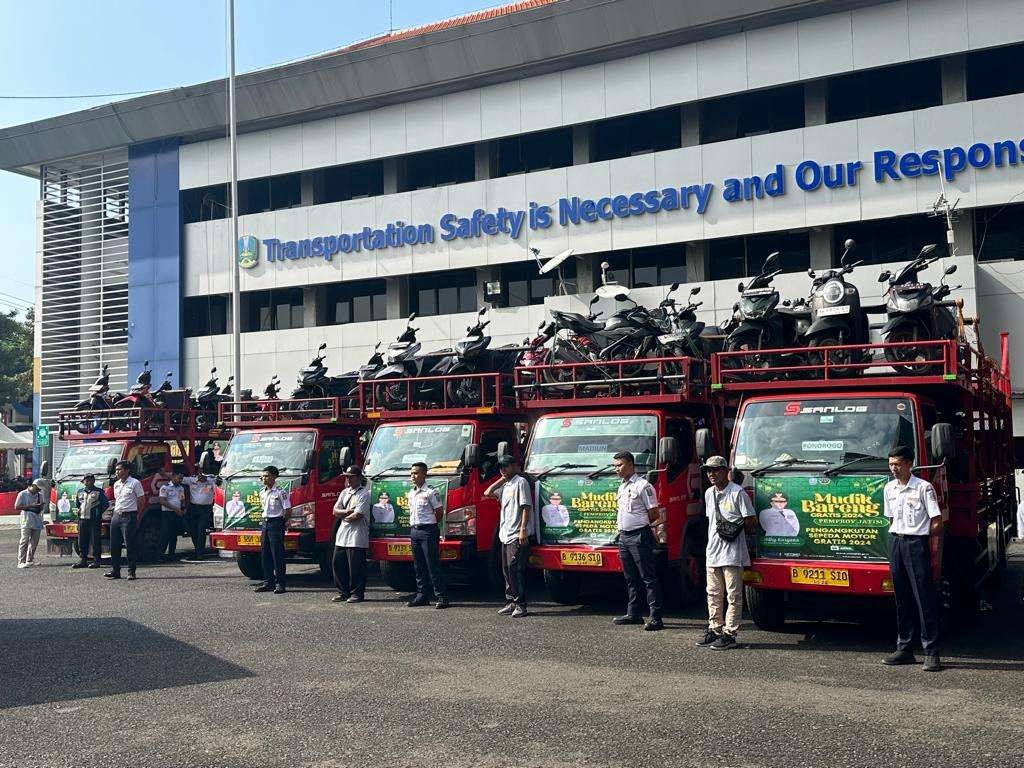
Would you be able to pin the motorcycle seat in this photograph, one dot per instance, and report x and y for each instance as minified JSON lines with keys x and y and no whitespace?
{"x":587,"y":326}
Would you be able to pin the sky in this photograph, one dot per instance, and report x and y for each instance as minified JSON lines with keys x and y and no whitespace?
{"x":75,"y":47}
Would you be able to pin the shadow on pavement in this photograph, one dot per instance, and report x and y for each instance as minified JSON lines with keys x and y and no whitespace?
{"x":49,"y":660}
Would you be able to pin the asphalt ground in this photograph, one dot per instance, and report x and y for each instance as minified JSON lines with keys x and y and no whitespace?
{"x":187,"y":667}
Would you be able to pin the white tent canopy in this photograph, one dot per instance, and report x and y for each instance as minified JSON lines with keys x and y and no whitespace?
{"x":10,"y":441}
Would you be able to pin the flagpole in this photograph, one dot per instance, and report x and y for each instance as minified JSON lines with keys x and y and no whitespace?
{"x":236,"y":309}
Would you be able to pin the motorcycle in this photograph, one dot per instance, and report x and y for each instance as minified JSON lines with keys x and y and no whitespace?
{"x":139,"y":396}
{"x":687,"y":336}
{"x":208,"y":398}
{"x":534,"y":353}
{"x":916,"y":312}
{"x":99,"y":399}
{"x":405,"y":362}
{"x":474,"y":355}
{"x":837,"y":317}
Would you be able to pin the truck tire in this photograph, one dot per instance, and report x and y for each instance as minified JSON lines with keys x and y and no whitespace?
{"x":767,"y":608}
{"x":149,"y":537}
{"x":399,"y":576}
{"x":491,"y":564}
{"x":563,"y":587}
{"x":250,"y":564}
{"x":691,"y":578}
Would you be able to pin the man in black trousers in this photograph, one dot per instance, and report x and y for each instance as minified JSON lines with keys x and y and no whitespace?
{"x":277,"y":508}
{"x":91,"y":503}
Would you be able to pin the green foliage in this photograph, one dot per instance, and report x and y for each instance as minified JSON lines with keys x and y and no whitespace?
{"x":15,"y":357}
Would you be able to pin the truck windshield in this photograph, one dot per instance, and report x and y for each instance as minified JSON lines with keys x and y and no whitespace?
{"x":823,"y":430}
{"x":591,"y":441}
{"x":89,"y":459}
{"x":250,"y":452}
{"x":396,"y":447}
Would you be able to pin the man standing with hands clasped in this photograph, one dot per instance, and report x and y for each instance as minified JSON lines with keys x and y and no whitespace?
{"x":92,"y":503}
{"x":915,"y":517}
{"x":425,"y":510}
{"x":277,"y":508}
{"x":638,"y":511}
{"x":129,"y":504}
{"x":730,"y":516}
{"x":513,"y":492}
{"x":352,"y":510}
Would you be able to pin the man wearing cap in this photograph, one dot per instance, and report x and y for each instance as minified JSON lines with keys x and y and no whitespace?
{"x":638,"y":511}
{"x":351,"y":510}
{"x":200,"y":510}
{"x":30,"y":503}
{"x":91,"y":503}
{"x":277,"y":508}
{"x":778,"y":519}
{"x":725,"y":559}
{"x":516,"y":521}
{"x":172,"y":508}
{"x":129,"y":503}
{"x":425,"y":510}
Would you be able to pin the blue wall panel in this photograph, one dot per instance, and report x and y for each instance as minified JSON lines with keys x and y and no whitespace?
{"x":154,"y":260}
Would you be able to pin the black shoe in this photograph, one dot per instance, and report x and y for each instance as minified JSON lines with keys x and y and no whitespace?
{"x":79,"y":564}
{"x":707,"y":638}
{"x":441,"y":604}
{"x":507,"y":610}
{"x":519,"y":612}
{"x":417,"y":601}
{"x":339,"y":598}
{"x":899,"y":658}
{"x":131,"y":575}
{"x":355,"y":599}
{"x":264,"y":588}
{"x":279,"y":589}
{"x":932,"y":663}
{"x":653,"y":625}
{"x":627,"y":619}
{"x":724,"y":643}
{"x":93,"y":565}
{"x":112,"y":575}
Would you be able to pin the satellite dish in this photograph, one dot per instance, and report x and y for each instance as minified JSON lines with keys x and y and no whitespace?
{"x":557,"y":261}
{"x":612,"y":291}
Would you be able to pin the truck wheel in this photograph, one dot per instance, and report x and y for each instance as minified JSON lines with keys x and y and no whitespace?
{"x":399,"y":576}
{"x":767,"y":608}
{"x":250,"y":564}
{"x":957,"y":589}
{"x":149,"y":537}
{"x":563,"y":587}
{"x":692,"y":577}
{"x":491,"y":565}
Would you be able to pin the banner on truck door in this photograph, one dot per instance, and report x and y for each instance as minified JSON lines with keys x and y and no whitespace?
{"x":578,"y":510}
{"x":821,"y":518}
{"x":389,"y":513}
{"x":67,"y":506}
{"x":242,"y":507}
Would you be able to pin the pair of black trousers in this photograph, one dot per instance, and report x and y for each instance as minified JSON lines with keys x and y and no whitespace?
{"x":513,"y":566}
{"x":636,"y":553}
{"x":350,"y":571}
{"x":89,"y":539}
{"x":124,"y":529}
{"x":272,"y":550}
{"x":917,"y":603}
{"x":200,"y":521}
{"x":170,"y":526}
{"x":426,"y":557}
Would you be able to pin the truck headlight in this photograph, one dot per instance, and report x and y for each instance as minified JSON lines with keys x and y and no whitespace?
{"x":218,"y":516}
{"x":303,"y":516}
{"x":833,"y":292}
{"x":461,"y":521}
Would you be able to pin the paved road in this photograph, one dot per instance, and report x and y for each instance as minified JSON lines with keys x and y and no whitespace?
{"x":186,"y":667}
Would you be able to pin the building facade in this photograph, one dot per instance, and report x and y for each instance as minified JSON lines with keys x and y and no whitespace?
{"x":676,"y":142}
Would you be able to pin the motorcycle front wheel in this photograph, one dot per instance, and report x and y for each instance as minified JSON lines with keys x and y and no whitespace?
{"x":392,"y":394}
{"x":466,"y":391}
{"x":750,"y":361}
{"x":836,"y":358}
{"x":902,"y":358}
{"x":87,"y":426}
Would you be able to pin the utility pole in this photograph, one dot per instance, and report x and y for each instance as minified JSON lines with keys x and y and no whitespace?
{"x":236,"y":309}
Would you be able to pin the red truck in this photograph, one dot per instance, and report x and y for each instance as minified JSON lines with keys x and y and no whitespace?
{"x":151,"y":439}
{"x":660,"y":410}
{"x":812,"y":441}
{"x":310,"y":441}
{"x":460,"y":446}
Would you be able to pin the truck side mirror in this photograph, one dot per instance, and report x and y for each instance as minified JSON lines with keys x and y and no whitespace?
{"x":503,"y":449}
{"x":471,"y":455}
{"x":207,"y":463}
{"x":942,"y":440}
{"x":704,"y":443}
{"x":884,"y":276}
{"x":668,"y":451}
{"x":44,"y":469}
{"x":345,"y":457}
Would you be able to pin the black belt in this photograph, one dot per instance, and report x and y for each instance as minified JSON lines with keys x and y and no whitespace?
{"x":910,"y":535}
{"x":428,"y":525}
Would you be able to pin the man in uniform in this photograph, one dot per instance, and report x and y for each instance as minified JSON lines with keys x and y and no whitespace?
{"x":91,"y":503}
{"x":425,"y":534}
{"x":638,"y":510}
{"x":352,"y":510}
{"x":172,"y":506}
{"x":277,"y":508}
{"x":778,"y":519}
{"x":915,"y":517}
{"x":513,"y":492}
{"x":200,"y":510}
{"x":129,"y":504}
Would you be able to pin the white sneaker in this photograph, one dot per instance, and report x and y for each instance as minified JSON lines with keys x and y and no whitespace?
{"x":31,"y":562}
{"x":23,"y":565}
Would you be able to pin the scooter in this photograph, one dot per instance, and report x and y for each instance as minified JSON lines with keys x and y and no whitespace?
{"x":99,"y":399}
{"x":404,"y":362}
{"x":474,"y":355}
{"x":209,"y":397}
{"x":138,"y":396}
{"x":837,"y":317}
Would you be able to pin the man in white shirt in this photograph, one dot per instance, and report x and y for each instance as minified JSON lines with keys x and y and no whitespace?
{"x":638,"y":509}
{"x":199,"y":518}
{"x":914,"y":518}
{"x":516,"y":506}
{"x":725,"y":557}
{"x":277,"y":508}
{"x":172,"y":506}
{"x":29,"y":503}
{"x":555,"y":513}
{"x":129,"y":504}
{"x":778,"y":519}
{"x":425,"y":509}
{"x":352,"y":511}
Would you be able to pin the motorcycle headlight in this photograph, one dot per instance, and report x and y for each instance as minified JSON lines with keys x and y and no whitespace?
{"x":833,"y":292}
{"x":461,"y":521}
{"x":218,"y":516}
{"x":303,"y":516}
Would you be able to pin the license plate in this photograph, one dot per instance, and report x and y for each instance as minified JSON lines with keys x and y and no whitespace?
{"x":828,"y":311}
{"x":449,"y":554}
{"x":581,"y":559}
{"x":820,"y":577}
{"x":399,"y":550}
{"x":249,"y":540}
{"x":71,"y":528}
{"x":910,"y":287}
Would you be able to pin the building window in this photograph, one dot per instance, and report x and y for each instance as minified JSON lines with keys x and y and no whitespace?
{"x":890,"y":240}
{"x":524,"y":286}
{"x":444,"y":293}
{"x":272,"y":193}
{"x":355,"y":302}
{"x":999,"y":233}
{"x":452,"y":165}
{"x":995,"y":72}
{"x":644,"y":267}
{"x":883,"y":91}
{"x":752,"y":114}
{"x":276,"y":310}
{"x":531,"y":152}
{"x":350,"y":182}
{"x":735,"y":257}
{"x":204,"y":204}
{"x":204,"y":315}
{"x":639,"y":134}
